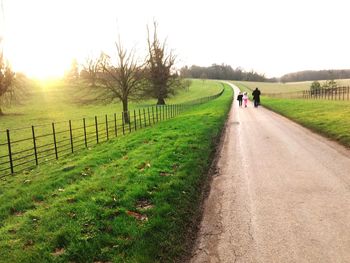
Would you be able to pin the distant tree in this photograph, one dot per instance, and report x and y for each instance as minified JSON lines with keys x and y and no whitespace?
{"x":73,"y":73}
{"x":91,"y":70}
{"x":307,"y":75}
{"x":185,"y":72}
{"x":330,"y":84}
{"x":204,"y":76}
{"x":159,"y":69}
{"x":315,"y":87}
{"x":121,"y":80}
{"x":186,"y":84}
{"x":7,"y":83}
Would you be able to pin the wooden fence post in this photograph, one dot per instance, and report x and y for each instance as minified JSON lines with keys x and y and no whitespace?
{"x":34,"y":144}
{"x":54,"y":140}
{"x":85,"y":139}
{"x":140,"y":119}
{"x":71,"y":135}
{"x":9,"y":149}
{"x":144,"y":117}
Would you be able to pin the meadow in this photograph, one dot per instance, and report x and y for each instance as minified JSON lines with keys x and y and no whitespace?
{"x":88,"y":123}
{"x":56,"y":101}
{"x":131,"y":199}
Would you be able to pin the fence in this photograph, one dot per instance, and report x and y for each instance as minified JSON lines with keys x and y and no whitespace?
{"x":25,"y":148}
{"x":338,"y":93}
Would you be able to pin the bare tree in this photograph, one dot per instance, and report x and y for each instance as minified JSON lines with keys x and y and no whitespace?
{"x":7,"y":79}
{"x":72,"y":75}
{"x":162,"y":81}
{"x":90,"y":71}
{"x":110,"y":80}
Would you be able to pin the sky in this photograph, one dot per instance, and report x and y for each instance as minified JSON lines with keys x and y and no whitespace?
{"x":274,"y":37}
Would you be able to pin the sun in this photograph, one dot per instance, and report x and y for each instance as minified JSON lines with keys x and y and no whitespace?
{"x":39,"y":63}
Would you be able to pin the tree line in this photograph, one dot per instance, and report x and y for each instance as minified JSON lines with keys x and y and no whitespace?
{"x":308,"y":75}
{"x":224,"y":72}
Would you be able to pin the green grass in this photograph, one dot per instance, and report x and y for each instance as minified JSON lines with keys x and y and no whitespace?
{"x":131,"y":199}
{"x":56,"y":101}
{"x":329,"y":118}
{"x":268,"y":87}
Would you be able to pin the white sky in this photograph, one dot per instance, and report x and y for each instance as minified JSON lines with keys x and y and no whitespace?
{"x":270,"y":36}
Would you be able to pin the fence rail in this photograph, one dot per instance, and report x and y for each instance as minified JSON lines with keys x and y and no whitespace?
{"x":24,"y":148}
{"x":338,"y":93}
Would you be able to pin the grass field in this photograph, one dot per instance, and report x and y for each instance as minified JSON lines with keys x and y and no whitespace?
{"x":329,"y":118}
{"x":55,"y":101}
{"x":127,"y":200}
{"x":268,"y":87}
{"x":58,"y":103}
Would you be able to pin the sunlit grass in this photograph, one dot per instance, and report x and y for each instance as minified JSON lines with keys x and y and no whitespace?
{"x":132,"y":199}
{"x":54,"y":101}
{"x":58,"y":103}
{"x":329,"y":118}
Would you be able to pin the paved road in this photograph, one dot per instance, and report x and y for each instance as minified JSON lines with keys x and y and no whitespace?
{"x":282,"y":194}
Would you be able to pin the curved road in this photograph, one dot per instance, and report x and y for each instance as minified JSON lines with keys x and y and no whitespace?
{"x":282,"y":194}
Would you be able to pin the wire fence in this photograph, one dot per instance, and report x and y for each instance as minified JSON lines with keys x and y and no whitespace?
{"x":338,"y":93}
{"x":22,"y":149}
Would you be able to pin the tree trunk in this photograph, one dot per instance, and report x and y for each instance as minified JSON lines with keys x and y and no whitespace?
{"x":1,"y":112}
{"x":161,"y":101}
{"x":125,"y":111}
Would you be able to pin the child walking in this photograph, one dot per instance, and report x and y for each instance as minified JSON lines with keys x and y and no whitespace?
{"x":245,"y":99}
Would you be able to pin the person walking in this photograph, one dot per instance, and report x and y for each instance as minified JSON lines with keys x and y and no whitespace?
{"x":240,"y":99}
{"x":245,"y":99}
{"x":256,"y":97}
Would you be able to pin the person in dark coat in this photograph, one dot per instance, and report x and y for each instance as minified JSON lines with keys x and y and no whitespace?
{"x":240,"y":98}
{"x":256,"y":97}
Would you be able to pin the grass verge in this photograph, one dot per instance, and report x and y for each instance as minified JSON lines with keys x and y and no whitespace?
{"x":329,"y":118}
{"x":131,"y":199}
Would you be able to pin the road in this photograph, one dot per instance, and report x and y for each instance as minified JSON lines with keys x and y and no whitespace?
{"x":282,"y":194}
